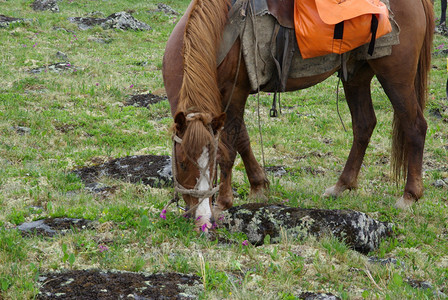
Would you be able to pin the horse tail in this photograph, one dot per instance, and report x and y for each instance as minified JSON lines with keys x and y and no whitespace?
{"x":399,"y":153}
{"x":199,"y":91}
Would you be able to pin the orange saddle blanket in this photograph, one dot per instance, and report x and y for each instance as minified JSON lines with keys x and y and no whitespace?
{"x":337,"y":26}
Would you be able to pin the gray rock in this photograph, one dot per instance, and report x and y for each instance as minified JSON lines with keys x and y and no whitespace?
{"x":440,"y":183}
{"x":384,"y":261}
{"x":21,"y":130}
{"x":258,"y":220}
{"x":62,"y":56}
{"x":56,"y":67}
{"x":120,"y":20}
{"x":277,"y":171}
{"x":42,"y":5}
{"x":123,"y":20}
{"x":50,"y":227}
{"x":162,"y":7}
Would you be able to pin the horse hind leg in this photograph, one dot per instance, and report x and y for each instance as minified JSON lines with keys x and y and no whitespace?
{"x":357,"y":93}
{"x":410,"y":128}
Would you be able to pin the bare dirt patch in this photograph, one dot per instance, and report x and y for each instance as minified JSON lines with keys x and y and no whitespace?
{"x":152,"y":170}
{"x":96,"y":284}
{"x":144,"y":100}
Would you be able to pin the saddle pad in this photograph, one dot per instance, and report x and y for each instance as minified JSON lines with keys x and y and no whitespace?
{"x":316,"y":37}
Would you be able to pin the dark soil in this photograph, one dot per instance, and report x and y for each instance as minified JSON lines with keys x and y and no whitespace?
{"x":96,"y":284}
{"x":144,"y":100}
{"x":148,"y":169}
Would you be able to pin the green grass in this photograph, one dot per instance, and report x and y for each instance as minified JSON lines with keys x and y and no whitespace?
{"x":78,"y":118}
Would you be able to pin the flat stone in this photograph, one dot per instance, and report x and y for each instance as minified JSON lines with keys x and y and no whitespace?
{"x":258,"y":220}
{"x":52,"y":226}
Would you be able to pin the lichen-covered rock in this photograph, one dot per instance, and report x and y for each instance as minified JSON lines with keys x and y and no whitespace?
{"x":166,"y":9}
{"x":120,"y":20}
{"x":56,"y":68}
{"x":5,"y":21}
{"x":123,"y":20}
{"x":257,"y":220}
{"x":147,"y":169}
{"x":42,"y":5}
{"x":318,"y":296}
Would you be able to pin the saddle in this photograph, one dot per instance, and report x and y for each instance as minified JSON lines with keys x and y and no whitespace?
{"x":283,"y":11}
{"x":314,"y":20}
{"x":338,"y":26}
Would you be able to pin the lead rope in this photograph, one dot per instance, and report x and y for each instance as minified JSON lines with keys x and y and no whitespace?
{"x":252,"y":16}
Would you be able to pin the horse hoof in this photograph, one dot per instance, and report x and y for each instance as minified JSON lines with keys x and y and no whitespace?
{"x":404,"y":204}
{"x":331,"y":192}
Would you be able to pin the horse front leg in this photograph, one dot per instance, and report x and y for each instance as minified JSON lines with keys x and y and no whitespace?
{"x":259,"y":183}
{"x":237,"y":140}
{"x":357,"y":93}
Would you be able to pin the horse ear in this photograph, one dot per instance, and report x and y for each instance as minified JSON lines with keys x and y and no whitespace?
{"x":180,"y":122}
{"x":218,"y":122}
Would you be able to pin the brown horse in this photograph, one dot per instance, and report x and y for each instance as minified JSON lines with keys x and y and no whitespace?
{"x":199,"y":92}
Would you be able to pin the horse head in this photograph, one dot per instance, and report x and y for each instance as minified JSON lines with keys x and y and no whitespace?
{"x":195,"y":154}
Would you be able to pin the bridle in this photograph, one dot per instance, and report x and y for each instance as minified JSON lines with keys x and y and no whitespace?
{"x":195,"y":191}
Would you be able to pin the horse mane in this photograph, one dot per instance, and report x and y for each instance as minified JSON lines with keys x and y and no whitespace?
{"x":199,"y":91}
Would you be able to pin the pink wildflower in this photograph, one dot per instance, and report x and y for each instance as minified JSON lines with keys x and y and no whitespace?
{"x":245,"y":243}
{"x":204,"y":227}
{"x":103,"y":248}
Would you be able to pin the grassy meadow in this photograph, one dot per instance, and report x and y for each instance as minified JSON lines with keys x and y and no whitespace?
{"x":52,"y":123}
